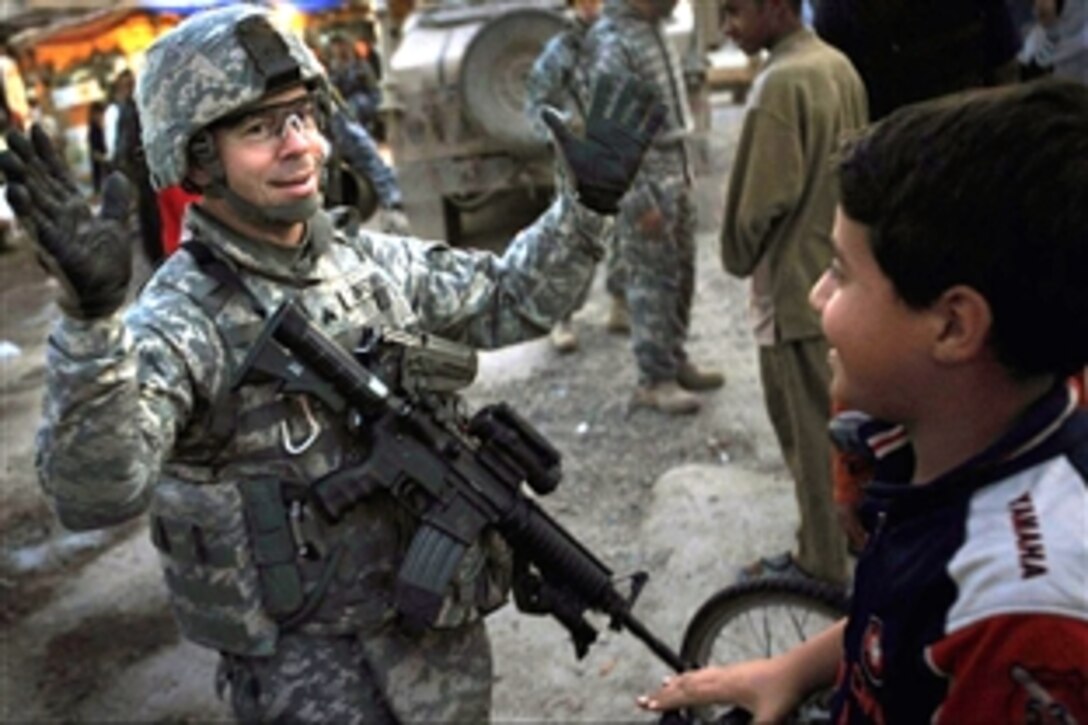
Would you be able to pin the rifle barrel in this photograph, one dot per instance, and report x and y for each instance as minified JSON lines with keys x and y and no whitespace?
{"x":665,"y":653}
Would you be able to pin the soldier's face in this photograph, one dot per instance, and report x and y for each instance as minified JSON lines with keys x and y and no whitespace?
{"x":272,"y":156}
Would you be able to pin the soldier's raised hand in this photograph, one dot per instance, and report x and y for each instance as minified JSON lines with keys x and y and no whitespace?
{"x":624,"y":116}
{"x":90,"y":256}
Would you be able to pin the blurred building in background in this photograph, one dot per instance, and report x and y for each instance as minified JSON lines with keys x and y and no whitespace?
{"x":67,"y":54}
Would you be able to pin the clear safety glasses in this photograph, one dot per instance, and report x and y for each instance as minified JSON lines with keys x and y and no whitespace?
{"x":269,"y":125}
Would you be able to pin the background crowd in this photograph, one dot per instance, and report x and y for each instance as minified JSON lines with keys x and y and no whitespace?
{"x":939,"y":46}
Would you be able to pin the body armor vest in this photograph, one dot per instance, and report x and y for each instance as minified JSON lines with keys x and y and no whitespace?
{"x":244,"y":556}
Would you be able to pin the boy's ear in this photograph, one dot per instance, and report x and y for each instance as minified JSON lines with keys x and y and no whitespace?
{"x":965,"y":320}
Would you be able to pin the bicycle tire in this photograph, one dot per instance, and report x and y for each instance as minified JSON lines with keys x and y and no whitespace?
{"x":783,"y":612}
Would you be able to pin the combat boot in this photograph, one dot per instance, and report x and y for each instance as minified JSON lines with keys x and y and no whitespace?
{"x":619,"y":321}
{"x":563,"y":338}
{"x":667,"y":397}
{"x":691,"y":377}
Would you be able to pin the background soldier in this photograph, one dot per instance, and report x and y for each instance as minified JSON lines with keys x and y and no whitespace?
{"x":143,"y":411}
{"x":656,"y":223}
{"x":356,"y":80}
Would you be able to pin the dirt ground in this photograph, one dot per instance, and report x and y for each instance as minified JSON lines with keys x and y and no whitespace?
{"x":85,"y":632}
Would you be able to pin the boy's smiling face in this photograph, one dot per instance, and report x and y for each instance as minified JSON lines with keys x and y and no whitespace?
{"x":879,"y":346}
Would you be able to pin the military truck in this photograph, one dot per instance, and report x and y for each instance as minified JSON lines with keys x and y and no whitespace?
{"x":455,"y":92}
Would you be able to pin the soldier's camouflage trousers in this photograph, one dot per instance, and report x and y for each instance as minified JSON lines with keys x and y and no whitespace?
{"x":615,"y":276}
{"x":660,"y":282}
{"x":388,"y":677}
{"x":615,"y":271}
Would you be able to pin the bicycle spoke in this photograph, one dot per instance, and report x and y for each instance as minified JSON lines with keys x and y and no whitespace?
{"x":767,"y":638}
{"x":798,"y":626}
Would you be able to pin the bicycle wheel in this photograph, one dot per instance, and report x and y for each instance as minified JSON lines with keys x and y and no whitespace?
{"x":759,"y":619}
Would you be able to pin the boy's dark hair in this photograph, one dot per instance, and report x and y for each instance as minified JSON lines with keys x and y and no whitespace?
{"x":987,"y":189}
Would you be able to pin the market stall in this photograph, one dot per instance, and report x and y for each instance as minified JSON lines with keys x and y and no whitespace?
{"x":71,"y":62}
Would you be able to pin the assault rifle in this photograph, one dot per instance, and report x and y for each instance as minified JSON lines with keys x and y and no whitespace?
{"x":467,"y":476}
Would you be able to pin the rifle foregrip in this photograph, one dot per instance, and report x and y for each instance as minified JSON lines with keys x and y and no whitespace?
{"x":561,"y":558}
{"x":565,"y":564}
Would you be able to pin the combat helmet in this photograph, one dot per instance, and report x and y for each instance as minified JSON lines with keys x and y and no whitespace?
{"x":210,"y":66}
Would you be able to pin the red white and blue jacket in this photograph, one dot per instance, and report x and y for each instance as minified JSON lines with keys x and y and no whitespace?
{"x":971,"y":598}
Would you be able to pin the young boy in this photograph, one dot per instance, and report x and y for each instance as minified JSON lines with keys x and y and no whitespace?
{"x":956,"y":306}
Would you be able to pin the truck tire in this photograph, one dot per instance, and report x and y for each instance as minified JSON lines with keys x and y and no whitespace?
{"x":493,"y":72}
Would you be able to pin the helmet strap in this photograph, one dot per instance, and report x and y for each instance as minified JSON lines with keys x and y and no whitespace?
{"x":271,"y":217}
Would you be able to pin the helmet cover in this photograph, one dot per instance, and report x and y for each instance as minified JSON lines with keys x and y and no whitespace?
{"x":210,"y":66}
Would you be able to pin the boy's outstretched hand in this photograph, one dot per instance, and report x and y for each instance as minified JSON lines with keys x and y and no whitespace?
{"x":624,"y":116}
{"x":756,"y":686}
{"x":90,"y":256}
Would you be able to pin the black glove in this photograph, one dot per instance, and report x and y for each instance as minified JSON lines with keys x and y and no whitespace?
{"x":91,"y":257}
{"x":624,"y":116}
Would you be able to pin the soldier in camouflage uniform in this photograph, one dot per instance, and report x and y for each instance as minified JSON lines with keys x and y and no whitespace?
{"x":560,"y":76}
{"x":656,"y":223}
{"x":143,"y":411}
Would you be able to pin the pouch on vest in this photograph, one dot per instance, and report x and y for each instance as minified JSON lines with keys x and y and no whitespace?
{"x":210,"y":570}
{"x":274,"y":548}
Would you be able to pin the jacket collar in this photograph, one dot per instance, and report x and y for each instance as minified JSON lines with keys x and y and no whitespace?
{"x":788,"y":42}
{"x":1036,"y":436}
{"x":287,"y":264}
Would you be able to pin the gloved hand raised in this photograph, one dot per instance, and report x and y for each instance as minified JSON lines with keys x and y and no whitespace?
{"x":624,"y":116}
{"x":91,"y":257}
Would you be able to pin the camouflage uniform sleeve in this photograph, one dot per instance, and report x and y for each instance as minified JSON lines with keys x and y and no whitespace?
{"x":117,"y":394}
{"x":547,"y":80}
{"x":487,"y":300}
{"x":353,"y":141}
